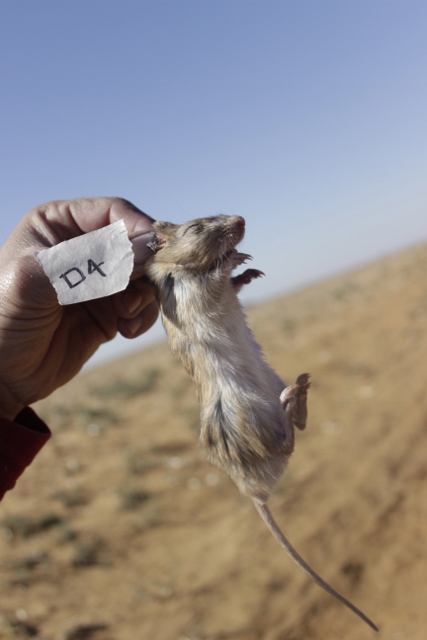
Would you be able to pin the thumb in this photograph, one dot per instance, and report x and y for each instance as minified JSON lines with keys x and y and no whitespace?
{"x":141,"y":251}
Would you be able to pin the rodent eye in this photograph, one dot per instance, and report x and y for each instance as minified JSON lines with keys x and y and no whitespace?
{"x":197,"y":226}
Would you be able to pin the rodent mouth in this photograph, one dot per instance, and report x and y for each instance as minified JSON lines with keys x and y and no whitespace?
{"x":235,"y":234}
{"x":238,"y":230}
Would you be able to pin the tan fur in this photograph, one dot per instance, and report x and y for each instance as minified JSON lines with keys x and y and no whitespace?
{"x":247,"y":417}
{"x":239,"y":393}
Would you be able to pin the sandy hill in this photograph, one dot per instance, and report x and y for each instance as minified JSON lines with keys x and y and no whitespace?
{"x":122,"y":531}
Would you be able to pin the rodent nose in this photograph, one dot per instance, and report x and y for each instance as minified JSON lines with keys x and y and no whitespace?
{"x":240,"y":222}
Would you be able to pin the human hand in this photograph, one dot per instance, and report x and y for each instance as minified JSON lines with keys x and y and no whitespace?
{"x":42,"y":344}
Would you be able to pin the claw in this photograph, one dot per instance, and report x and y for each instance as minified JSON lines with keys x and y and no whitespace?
{"x":240,"y":258}
{"x":245,"y":278}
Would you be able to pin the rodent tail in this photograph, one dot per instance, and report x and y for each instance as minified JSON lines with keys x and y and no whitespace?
{"x":267,"y":516}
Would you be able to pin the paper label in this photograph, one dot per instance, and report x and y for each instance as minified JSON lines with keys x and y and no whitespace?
{"x":94,"y":265}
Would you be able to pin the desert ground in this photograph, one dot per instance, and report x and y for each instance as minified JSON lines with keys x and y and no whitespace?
{"x":121,"y":530}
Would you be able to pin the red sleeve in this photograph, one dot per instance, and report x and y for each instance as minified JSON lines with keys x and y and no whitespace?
{"x":20,"y":441}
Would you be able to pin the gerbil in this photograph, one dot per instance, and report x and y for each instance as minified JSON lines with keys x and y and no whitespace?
{"x":247,"y":416}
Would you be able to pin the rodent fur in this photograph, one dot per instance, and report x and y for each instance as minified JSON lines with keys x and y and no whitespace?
{"x":248,"y":415}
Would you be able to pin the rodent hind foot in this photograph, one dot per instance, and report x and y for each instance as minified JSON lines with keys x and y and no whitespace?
{"x":294,"y":400}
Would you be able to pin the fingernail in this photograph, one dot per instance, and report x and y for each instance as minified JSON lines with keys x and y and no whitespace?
{"x":141,"y":250}
{"x":133,"y":325}
{"x":131,"y":300}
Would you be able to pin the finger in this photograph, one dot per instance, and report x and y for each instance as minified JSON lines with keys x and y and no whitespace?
{"x":131,"y":302}
{"x":93,"y":213}
{"x":142,"y":251}
{"x":24,"y":284}
{"x":139,"y":324}
{"x":51,"y":223}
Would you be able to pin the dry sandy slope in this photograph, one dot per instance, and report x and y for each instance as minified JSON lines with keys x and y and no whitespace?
{"x":121,"y":531}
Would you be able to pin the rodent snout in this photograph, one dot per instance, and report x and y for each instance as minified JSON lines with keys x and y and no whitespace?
{"x":240,"y":222}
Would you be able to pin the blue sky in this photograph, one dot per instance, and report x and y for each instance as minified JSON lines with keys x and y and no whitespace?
{"x":307,"y":117}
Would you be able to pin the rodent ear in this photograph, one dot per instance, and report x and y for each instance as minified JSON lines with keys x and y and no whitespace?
{"x":167,"y":228}
{"x":165,"y":233}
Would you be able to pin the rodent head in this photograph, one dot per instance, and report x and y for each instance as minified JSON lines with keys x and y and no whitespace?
{"x":199,"y":243}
